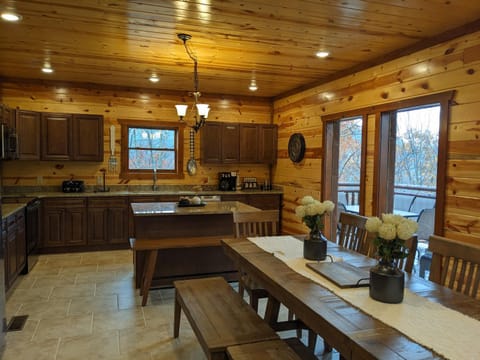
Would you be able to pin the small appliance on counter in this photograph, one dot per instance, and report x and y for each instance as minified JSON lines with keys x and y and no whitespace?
{"x":73,"y":186}
{"x":227,"y":181}
{"x":250,"y":183}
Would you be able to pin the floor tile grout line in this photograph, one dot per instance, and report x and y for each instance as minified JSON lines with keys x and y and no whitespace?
{"x":57,"y":349}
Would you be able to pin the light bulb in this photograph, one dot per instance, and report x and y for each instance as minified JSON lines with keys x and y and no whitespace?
{"x":322,"y":54}
{"x":154,"y":78}
{"x":47,"y":69}
{"x":9,"y":15}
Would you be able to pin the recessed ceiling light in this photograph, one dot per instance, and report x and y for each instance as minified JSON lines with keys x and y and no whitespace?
{"x":9,"y":15}
{"x":47,"y":69}
{"x":154,"y":78}
{"x":322,"y":54}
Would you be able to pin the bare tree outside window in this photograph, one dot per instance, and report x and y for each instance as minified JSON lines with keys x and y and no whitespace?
{"x":416,"y":155}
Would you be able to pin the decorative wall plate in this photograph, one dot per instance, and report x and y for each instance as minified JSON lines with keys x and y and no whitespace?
{"x":296,"y":147}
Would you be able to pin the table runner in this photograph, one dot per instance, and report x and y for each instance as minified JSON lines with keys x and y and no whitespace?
{"x":434,"y":326}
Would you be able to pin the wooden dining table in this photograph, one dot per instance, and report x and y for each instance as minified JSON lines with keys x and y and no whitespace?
{"x":355,"y":334}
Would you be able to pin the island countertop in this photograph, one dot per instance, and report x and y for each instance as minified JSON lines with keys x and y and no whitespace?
{"x":172,"y":208}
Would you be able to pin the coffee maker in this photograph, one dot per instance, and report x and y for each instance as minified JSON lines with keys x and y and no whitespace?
{"x":227,"y":181}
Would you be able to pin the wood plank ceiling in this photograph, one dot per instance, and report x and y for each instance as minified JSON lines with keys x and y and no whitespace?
{"x":122,"y":43}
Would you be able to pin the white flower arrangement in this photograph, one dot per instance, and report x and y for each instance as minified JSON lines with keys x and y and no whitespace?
{"x":311,"y":212}
{"x":392,"y":231}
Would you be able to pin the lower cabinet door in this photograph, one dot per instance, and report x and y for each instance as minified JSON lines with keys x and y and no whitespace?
{"x":75,"y":226}
{"x":97,"y":226}
{"x":118,"y":225}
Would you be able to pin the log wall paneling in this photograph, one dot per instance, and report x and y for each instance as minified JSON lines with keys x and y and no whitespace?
{"x":115,"y":103}
{"x":449,"y":66}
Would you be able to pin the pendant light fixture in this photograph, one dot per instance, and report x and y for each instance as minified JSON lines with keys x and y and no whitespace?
{"x":201,"y":110}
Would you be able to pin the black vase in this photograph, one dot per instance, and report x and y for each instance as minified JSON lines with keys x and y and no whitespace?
{"x":315,"y":246}
{"x":387,"y":283}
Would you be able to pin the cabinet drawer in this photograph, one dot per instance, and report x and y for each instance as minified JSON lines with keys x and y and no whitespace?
{"x":65,"y":202}
{"x":107,"y":202}
{"x":154,"y":198}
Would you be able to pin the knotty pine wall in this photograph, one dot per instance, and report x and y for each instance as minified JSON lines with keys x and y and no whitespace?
{"x":454,"y":65}
{"x":113,"y":104}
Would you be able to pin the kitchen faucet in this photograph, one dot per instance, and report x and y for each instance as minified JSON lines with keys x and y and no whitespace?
{"x":154,"y":186}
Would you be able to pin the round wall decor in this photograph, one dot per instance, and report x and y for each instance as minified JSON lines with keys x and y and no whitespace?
{"x":296,"y":147}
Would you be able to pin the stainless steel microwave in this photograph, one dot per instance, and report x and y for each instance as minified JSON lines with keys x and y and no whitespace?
{"x":9,"y":143}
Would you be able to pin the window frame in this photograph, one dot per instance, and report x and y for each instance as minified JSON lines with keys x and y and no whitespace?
{"x":383,"y":154}
{"x":126,"y":173}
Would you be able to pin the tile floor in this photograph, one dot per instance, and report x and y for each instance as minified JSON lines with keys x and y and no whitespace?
{"x":85,"y":306}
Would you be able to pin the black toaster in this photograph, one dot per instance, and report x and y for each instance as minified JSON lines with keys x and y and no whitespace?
{"x":73,"y":186}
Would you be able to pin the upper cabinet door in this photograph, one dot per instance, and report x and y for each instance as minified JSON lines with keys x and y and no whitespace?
{"x":230,"y":143}
{"x":267,"y":144}
{"x":56,"y":136}
{"x":87,"y":137}
{"x":28,"y":134}
{"x":211,"y":144}
{"x":249,"y":143}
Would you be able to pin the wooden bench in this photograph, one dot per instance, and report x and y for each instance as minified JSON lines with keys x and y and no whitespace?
{"x":288,"y":349}
{"x":218,"y":316}
{"x":151,"y":247}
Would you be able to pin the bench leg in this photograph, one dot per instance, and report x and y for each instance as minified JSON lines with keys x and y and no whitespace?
{"x":176,"y":317}
{"x":149,"y":270}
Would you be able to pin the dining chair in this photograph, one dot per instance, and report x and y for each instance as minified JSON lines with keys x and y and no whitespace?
{"x":353,"y":235}
{"x":455,"y":264}
{"x":258,"y":223}
{"x":426,"y":227}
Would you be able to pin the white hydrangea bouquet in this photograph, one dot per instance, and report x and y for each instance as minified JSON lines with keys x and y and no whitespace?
{"x":311,"y":212}
{"x":392,"y":231}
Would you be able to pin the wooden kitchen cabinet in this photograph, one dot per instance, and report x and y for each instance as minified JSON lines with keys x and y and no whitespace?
{"x":265,"y":201}
{"x":15,"y":257}
{"x":10,"y":252}
{"x":267,"y":144}
{"x":87,"y":137}
{"x":211,"y":146}
{"x":249,"y":143}
{"x":230,"y":143}
{"x":28,"y":134}
{"x":107,"y":221}
{"x":56,"y":136}
{"x":220,"y":143}
{"x":64,"y":222}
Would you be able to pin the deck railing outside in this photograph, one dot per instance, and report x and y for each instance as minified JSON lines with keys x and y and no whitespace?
{"x":407,"y":198}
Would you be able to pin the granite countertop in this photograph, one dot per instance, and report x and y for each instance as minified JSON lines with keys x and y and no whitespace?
{"x":133,"y":192}
{"x":10,"y":209}
{"x":172,"y":208}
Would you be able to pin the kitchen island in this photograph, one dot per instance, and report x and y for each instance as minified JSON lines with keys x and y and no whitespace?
{"x":167,"y":220}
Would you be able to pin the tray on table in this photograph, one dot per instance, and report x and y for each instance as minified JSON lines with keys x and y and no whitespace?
{"x":342,"y":274}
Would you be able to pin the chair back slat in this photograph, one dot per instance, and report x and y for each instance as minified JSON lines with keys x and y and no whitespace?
{"x":353,"y":234}
{"x":258,"y":223}
{"x":455,"y":264}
